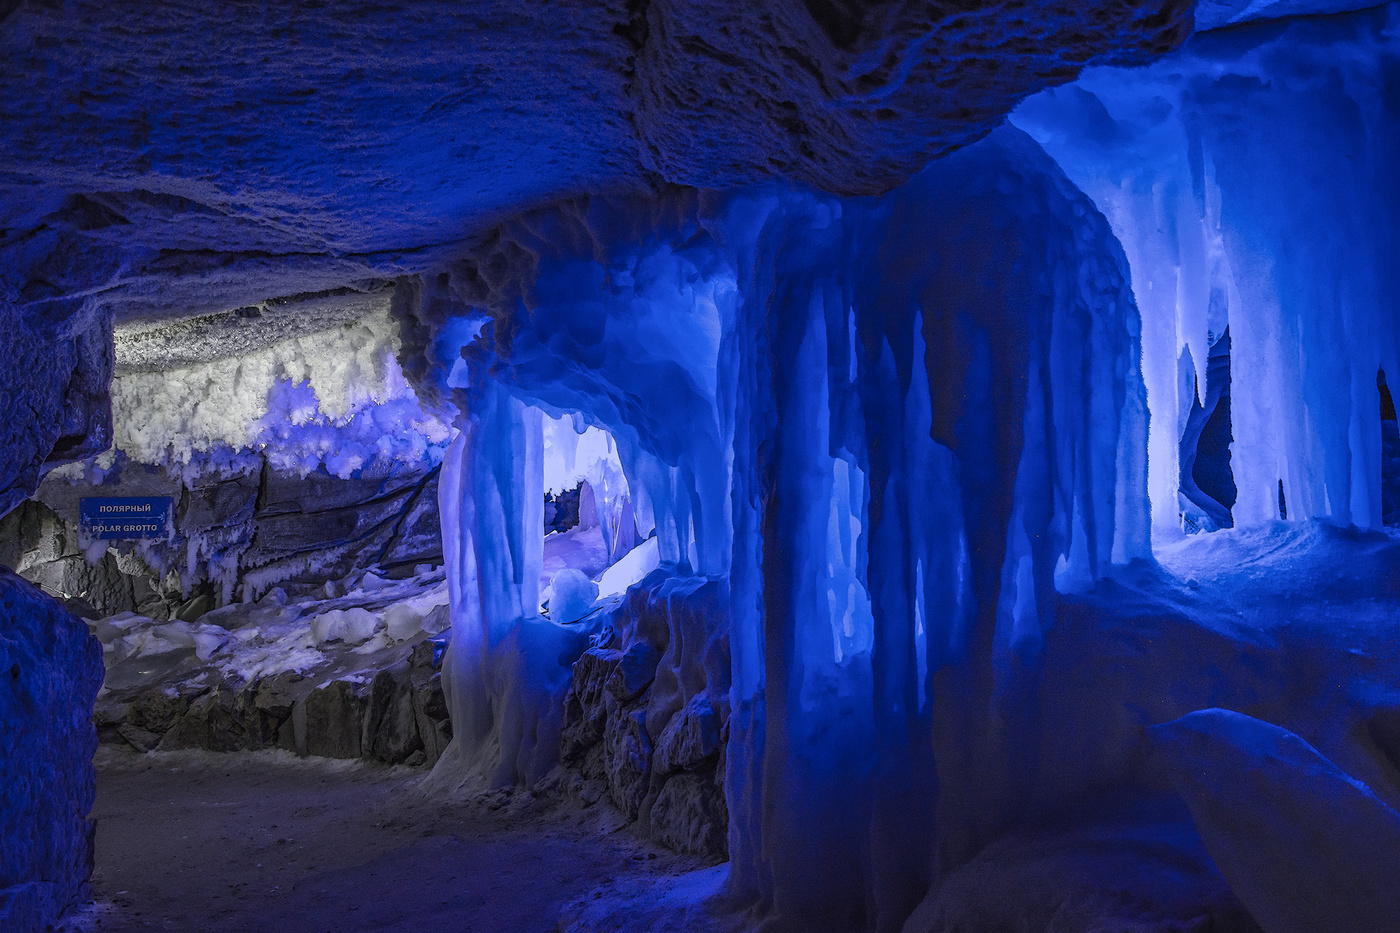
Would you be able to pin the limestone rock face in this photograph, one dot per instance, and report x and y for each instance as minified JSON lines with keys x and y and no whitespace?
{"x":50,"y":672}
{"x":585,"y":710}
{"x":275,"y":526}
{"x":387,"y":706}
{"x":623,"y":731}
{"x":627,"y":758}
{"x":854,"y":98}
{"x":635,"y":671}
{"x":40,"y":546}
{"x":56,"y":380}
{"x":690,"y":815}
{"x":690,"y":738}
{"x":390,"y":727}
{"x":335,"y":719}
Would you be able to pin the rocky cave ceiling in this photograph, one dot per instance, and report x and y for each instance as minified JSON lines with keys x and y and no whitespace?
{"x":176,"y":159}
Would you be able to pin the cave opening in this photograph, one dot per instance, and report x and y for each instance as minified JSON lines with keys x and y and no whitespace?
{"x":593,"y":550}
{"x":1208,"y":489}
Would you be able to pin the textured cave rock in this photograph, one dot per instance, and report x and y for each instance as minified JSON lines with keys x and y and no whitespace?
{"x":646,"y":727}
{"x":55,"y":378}
{"x":387,"y":706}
{"x":259,"y":525}
{"x":50,"y":671}
{"x":317,"y":146}
{"x":41,"y":547}
{"x":854,"y":98}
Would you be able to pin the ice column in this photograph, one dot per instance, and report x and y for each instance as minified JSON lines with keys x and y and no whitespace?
{"x":939,"y":419}
{"x":503,"y":668}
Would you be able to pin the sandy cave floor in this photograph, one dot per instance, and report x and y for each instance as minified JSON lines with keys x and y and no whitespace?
{"x":264,"y":842}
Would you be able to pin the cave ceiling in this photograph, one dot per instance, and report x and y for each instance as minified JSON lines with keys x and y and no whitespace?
{"x":184,"y":159}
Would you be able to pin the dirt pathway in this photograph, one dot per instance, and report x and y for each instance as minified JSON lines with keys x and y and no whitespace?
{"x":197,"y":842}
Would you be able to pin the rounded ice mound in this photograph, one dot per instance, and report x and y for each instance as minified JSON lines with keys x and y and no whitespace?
{"x":402,"y":621}
{"x":351,"y":626}
{"x":572,"y":595}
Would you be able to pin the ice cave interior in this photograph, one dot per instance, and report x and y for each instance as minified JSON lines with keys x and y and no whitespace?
{"x":919,"y":466}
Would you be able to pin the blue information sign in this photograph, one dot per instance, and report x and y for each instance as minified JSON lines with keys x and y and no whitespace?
{"x":125,"y":516}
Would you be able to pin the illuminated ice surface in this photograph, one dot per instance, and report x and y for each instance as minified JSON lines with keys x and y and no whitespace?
{"x":923,"y":563}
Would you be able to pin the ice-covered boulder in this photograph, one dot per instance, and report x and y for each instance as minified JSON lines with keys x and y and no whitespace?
{"x":572,"y":596}
{"x":1123,"y":863}
{"x":352,"y":626}
{"x":402,"y":622}
{"x":1306,"y":847}
{"x":50,"y":671}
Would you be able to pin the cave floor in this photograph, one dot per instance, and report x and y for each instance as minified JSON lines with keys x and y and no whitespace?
{"x":265,"y":842}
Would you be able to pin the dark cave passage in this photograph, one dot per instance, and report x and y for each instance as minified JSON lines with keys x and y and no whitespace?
{"x":1206,"y":478}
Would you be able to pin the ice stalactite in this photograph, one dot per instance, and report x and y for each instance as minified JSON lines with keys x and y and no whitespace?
{"x":939,"y":419}
{"x":503,"y":674}
{"x":605,"y":336}
{"x":1249,"y":178}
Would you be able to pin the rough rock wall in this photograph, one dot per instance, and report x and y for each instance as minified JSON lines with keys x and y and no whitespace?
{"x":50,"y":671}
{"x":244,"y":181}
{"x":855,"y":98}
{"x":45,"y":550}
{"x":392,"y":710}
{"x":647,"y":712}
{"x":259,"y":527}
{"x":55,"y":378}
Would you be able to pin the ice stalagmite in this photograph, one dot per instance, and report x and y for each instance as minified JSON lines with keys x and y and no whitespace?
{"x":503,"y":669}
{"x":615,"y":323}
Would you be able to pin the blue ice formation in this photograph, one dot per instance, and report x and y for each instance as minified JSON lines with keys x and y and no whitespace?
{"x":893,"y":426}
{"x":297,"y":437}
{"x":1249,"y":178}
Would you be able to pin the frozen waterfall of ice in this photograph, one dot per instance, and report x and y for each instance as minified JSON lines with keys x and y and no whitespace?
{"x":1250,"y":178}
{"x":895,"y":426}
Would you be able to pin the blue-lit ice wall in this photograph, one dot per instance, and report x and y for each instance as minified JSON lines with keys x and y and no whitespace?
{"x":939,"y":418}
{"x":896,"y":426}
{"x":503,"y":674}
{"x":1250,"y":178}
{"x":622,"y":334}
